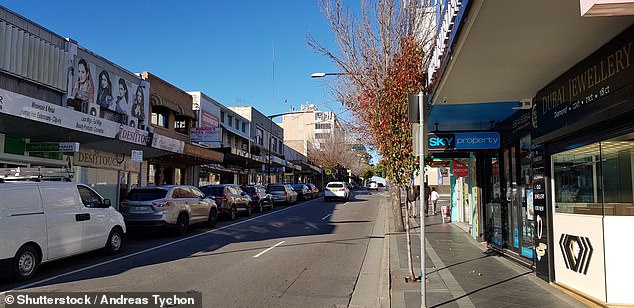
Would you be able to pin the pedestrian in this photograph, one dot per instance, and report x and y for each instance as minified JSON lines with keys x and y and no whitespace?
{"x":434,"y":199}
{"x":413,"y":192}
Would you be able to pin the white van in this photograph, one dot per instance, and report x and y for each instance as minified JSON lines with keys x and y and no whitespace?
{"x":44,"y":221}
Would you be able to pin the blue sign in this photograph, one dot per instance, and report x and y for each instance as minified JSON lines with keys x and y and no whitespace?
{"x":464,"y":141}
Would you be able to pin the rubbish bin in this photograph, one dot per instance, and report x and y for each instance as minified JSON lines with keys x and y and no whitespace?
{"x":445,"y":213}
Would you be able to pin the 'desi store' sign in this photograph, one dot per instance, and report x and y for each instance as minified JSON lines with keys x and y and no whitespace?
{"x":464,"y":141}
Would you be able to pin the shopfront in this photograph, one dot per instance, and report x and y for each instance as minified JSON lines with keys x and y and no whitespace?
{"x":583,"y":126}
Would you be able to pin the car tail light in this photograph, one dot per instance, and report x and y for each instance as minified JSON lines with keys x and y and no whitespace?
{"x":224,"y":198}
{"x":163,"y":203}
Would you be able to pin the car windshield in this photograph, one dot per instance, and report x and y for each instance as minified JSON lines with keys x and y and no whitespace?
{"x":213,"y":190}
{"x":335,"y":185}
{"x":276,"y":188}
{"x":298,"y":186}
{"x":146,"y":194}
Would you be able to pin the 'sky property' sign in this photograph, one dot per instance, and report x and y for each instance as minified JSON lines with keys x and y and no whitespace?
{"x":464,"y":141}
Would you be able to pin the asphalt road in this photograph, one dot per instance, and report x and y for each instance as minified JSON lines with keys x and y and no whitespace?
{"x":304,"y":255}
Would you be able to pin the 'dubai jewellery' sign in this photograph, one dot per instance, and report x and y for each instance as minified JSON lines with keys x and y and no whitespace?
{"x":37,"y":110}
{"x":584,"y":89}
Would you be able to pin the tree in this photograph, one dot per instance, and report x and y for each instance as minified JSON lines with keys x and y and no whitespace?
{"x":381,"y":55}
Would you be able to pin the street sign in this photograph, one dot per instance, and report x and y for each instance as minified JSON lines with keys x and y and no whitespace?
{"x":53,"y":147}
{"x":137,"y":156}
{"x":327,"y":171}
{"x":459,"y":169}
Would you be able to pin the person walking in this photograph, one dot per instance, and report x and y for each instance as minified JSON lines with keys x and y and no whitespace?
{"x":434,"y":199}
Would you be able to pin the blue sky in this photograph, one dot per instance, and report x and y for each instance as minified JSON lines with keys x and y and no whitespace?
{"x":223,"y":48}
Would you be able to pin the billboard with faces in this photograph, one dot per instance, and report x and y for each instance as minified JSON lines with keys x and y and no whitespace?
{"x":99,"y":91}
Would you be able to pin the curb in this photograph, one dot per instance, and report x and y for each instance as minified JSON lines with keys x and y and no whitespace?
{"x":384,"y":300}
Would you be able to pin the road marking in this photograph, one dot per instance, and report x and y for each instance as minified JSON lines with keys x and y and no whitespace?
{"x":43,"y":281}
{"x":266,"y":250}
{"x":326,"y":216}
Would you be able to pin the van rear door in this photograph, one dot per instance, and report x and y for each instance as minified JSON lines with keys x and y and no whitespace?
{"x":21,"y":218}
{"x":64,"y":219}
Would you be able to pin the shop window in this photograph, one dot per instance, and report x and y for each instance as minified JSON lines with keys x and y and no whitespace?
{"x":237,"y":124}
{"x":222,"y":116}
{"x":229,"y":120}
{"x":281,"y":148}
{"x":274,"y":145}
{"x":322,"y":136}
{"x":596,"y":179}
{"x":244,"y":127}
{"x":181,"y":124}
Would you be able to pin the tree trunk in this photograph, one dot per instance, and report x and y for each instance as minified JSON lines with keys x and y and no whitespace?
{"x":410,"y":265}
{"x":395,"y":194}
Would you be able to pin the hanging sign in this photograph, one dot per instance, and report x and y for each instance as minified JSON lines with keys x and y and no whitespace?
{"x":459,"y":169}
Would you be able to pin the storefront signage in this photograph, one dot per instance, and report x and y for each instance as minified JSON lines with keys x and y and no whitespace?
{"x":167,"y":143}
{"x":103,"y":160}
{"x":577,"y":252}
{"x":459,"y":169}
{"x":203,"y":153}
{"x":542,"y":225}
{"x":132,"y":134}
{"x":205,"y":134}
{"x":463,"y":141}
{"x":37,"y":110}
{"x":584,"y":90}
{"x":53,"y":147}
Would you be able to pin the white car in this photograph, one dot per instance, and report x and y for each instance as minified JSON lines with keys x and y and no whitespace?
{"x":373,"y":186}
{"x":337,"y":190}
{"x":44,"y":221}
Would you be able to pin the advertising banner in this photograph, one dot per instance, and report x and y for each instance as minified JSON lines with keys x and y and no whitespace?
{"x":205,"y":134}
{"x":34,"y":109}
{"x":209,"y":132}
{"x":100,"y":92}
{"x":167,"y":143}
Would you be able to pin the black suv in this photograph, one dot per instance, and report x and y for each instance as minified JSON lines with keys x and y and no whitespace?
{"x":260,"y":198}
{"x":230,"y":199}
{"x":303,"y":192}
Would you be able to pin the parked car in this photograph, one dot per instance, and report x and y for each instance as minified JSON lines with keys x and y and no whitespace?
{"x":45,"y":221}
{"x":173,"y":206}
{"x":313,"y":189}
{"x":336,"y":190}
{"x":231,"y":199}
{"x":282,"y":193}
{"x":303,"y":192}
{"x":260,"y":198}
{"x":373,"y":186}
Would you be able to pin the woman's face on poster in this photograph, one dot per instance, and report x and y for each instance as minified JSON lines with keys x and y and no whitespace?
{"x":104,"y":81}
{"x":122,"y":91}
{"x":81,"y":71}
{"x":139,"y":96}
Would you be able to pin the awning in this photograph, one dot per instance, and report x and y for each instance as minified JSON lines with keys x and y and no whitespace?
{"x":506,"y":51}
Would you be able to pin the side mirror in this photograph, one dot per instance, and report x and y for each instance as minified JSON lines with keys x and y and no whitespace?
{"x":106,"y":203}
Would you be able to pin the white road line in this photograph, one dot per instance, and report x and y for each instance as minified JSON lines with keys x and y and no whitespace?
{"x":265,"y":251}
{"x":326,"y":216}
{"x":39,"y":282}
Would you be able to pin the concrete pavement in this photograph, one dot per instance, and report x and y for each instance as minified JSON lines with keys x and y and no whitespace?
{"x":460,"y":271}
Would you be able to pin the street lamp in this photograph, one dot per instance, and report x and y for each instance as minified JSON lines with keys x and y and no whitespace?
{"x":320,"y":75}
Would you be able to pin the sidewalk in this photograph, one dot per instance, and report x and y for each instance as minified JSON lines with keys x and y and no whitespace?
{"x":461,"y":272}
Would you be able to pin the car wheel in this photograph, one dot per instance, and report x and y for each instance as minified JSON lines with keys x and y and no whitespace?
{"x":271,"y":205}
{"x":25,"y":263}
{"x":260,"y":207}
{"x":249,"y":209}
{"x":115,"y":240}
{"x":182,"y":223}
{"x":234,"y":213}
{"x":213,"y":218}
